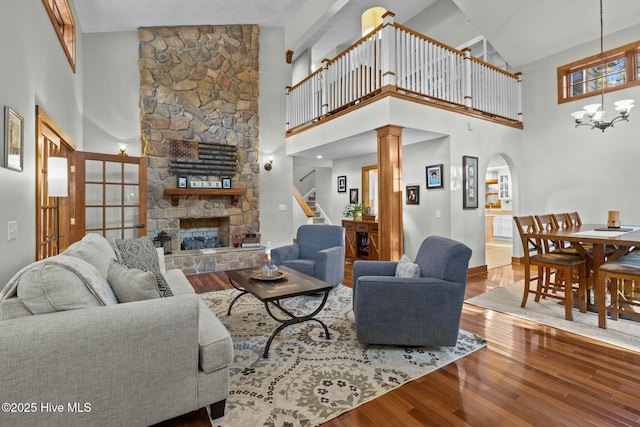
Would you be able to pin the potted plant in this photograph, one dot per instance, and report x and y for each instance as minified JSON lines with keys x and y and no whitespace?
{"x":354,"y":211}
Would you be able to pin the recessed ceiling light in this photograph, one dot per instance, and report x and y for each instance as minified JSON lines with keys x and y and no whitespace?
{"x":319,"y":156}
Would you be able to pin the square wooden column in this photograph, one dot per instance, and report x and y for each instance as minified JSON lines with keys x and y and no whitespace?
{"x":390,"y":228}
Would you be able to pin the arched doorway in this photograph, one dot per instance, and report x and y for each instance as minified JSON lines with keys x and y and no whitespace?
{"x":498,"y":213}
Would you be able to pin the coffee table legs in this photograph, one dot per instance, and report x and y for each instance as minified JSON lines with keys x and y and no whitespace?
{"x":293,"y":319}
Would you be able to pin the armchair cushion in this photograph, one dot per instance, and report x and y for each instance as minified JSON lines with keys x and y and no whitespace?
{"x":305,"y":266}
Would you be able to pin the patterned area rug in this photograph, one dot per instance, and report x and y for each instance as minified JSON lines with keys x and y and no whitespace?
{"x":307,"y":379}
{"x":507,"y":299}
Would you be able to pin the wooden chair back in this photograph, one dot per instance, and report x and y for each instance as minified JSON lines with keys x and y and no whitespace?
{"x":527,"y":225}
{"x":574,"y":219}
{"x":547,"y":223}
{"x":562,"y":220}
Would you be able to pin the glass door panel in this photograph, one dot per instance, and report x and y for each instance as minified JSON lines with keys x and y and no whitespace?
{"x":114,"y":203}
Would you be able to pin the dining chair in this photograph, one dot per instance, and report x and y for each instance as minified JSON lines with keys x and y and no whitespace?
{"x":574,"y":219}
{"x":623,"y":281}
{"x":563,"y":267}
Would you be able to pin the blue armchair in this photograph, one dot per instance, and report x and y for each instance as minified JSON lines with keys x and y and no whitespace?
{"x":318,"y":252}
{"x":420,"y":311}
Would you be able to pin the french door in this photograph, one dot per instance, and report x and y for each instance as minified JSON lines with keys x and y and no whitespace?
{"x":111,"y":195}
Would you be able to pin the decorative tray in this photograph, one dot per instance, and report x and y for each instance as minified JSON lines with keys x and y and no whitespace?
{"x":258,"y":276}
{"x":621,"y":229}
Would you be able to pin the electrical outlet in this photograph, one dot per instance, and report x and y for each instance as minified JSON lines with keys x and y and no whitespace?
{"x":12,"y":230}
{"x":437,"y":213}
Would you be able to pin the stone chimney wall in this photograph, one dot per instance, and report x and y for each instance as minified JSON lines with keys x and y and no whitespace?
{"x":200,"y":83}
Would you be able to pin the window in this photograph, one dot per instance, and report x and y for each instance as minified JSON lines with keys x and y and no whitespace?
{"x":61,"y":16}
{"x":613,"y":70}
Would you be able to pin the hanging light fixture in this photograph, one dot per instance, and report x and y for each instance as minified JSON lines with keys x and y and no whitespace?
{"x":597,"y":119}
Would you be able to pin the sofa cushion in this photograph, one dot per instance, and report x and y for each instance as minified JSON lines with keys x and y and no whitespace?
{"x":61,"y":283}
{"x":94,"y":249}
{"x":216,"y":347}
{"x":132,"y":284}
{"x":406,"y":268}
{"x":141,"y":253}
{"x":12,"y":308}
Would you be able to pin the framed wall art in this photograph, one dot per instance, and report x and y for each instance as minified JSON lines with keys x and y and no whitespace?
{"x":226,"y":182}
{"x":434,"y":176}
{"x":182,"y":182}
{"x":353,"y":196}
{"x":469,"y":182}
{"x":342,"y":184}
{"x":413,"y":195}
{"x":13,"y":140}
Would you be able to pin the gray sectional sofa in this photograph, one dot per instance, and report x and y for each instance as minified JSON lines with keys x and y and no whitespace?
{"x":71,"y":354}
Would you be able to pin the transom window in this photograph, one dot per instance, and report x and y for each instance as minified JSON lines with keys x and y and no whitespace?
{"x":613,"y":70}
{"x":64,"y":24}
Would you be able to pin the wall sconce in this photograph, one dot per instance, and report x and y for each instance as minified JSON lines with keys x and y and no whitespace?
{"x":269,"y":164}
{"x":57,"y":177}
{"x":122,"y":147}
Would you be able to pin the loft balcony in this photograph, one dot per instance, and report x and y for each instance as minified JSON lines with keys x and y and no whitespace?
{"x":396,"y":61}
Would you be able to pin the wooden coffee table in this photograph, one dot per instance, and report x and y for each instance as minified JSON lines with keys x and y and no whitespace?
{"x":272,"y":292}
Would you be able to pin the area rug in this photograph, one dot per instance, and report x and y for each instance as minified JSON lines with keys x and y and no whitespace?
{"x":507,"y":299}
{"x":307,"y":379}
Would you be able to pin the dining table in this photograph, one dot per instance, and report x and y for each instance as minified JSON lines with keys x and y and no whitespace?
{"x":598,"y":236}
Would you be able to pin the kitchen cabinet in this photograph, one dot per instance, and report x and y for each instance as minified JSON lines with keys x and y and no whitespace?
{"x":504,"y":186}
{"x":502,"y":226}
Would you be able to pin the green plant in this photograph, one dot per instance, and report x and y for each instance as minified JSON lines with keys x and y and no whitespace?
{"x":353,"y":210}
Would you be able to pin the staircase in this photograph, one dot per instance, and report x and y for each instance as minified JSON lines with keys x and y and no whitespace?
{"x":317,"y":215}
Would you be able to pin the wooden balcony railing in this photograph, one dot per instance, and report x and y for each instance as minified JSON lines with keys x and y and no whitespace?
{"x":413,"y":64}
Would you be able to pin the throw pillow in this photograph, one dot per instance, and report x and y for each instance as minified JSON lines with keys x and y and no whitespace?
{"x":61,"y":283}
{"x":94,"y":249}
{"x":132,"y":284}
{"x":406,"y":268}
{"x":141,"y":253}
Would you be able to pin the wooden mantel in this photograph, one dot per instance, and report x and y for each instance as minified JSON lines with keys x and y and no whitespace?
{"x":175,"y":193}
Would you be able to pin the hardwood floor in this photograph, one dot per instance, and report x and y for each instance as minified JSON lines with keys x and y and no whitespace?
{"x":528,"y":374}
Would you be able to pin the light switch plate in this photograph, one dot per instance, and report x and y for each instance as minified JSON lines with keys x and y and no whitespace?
{"x":12,"y":230}
{"x":283,"y":207}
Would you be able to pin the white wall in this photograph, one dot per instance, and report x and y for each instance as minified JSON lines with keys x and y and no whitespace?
{"x":276,"y":185}
{"x":111,"y":92}
{"x":35,"y":71}
{"x":569,"y":169}
{"x":443,"y":21}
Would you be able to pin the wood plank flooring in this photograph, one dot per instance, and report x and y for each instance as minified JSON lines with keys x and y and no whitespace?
{"x":528,"y":375}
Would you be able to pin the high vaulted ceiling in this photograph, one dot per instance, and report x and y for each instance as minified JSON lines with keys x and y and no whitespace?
{"x":522,"y":31}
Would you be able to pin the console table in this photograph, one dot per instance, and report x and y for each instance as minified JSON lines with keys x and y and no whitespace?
{"x":361,"y":240}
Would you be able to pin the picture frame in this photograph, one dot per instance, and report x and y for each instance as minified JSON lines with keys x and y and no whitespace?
{"x":342,"y":184}
{"x":435,"y":178}
{"x":469,"y":182}
{"x":13,"y":157}
{"x":353,"y":196}
{"x":226,"y":182}
{"x":412,"y":194}
{"x":182,"y":182}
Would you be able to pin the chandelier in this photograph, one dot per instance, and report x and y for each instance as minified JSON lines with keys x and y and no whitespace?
{"x":596,"y":117}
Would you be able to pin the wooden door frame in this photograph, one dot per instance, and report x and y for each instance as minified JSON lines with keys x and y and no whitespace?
{"x":52,"y":236}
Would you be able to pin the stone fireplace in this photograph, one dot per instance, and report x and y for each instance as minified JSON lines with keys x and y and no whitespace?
{"x":200,"y":84}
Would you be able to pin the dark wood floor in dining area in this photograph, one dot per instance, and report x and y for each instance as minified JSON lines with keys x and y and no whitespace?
{"x":528,"y":374}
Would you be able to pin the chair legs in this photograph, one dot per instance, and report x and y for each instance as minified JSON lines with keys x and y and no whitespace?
{"x":564,"y":274}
